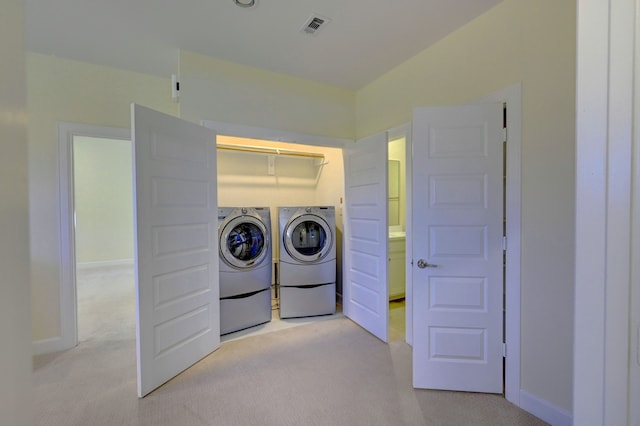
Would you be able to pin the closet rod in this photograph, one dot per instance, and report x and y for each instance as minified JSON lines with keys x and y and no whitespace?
{"x":267,"y":150}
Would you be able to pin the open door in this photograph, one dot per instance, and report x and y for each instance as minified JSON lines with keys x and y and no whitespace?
{"x":458,"y":215}
{"x":176,"y":249}
{"x":366,"y":294}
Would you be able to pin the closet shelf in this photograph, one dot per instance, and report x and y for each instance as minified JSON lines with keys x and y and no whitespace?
{"x":270,"y":151}
{"x":288,"y":166}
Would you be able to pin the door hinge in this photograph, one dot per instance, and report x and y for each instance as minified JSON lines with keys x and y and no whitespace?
{"x":504,"y":243}
{"x":504,"y":350}
{"x":175,"y":88}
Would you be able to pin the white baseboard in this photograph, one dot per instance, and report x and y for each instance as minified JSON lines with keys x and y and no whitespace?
{"x":544,"y":410}
{"x":105,"y":263}
{"x":46,"y":346}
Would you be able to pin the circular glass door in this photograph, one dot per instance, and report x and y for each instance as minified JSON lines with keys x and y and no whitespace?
{"x":243,"y":242}
{"x":308,"y":238}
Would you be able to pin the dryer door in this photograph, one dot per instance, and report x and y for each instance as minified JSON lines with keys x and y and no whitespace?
{"x":243,"y":242}
{"x":308,"y":238}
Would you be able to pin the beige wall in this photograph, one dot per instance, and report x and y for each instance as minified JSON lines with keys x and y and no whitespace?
{"x":103,"y":187}
{"x":212,"y":89}
{"x":15,"y":355}
{"x":532,"y":43}
{"x":62,"y":90}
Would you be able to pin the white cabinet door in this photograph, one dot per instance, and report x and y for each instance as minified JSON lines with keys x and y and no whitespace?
{"x":397,"y":262}
{"x":457,"y":248}
{"x":366,"y":294}
{"x":176,"y":256}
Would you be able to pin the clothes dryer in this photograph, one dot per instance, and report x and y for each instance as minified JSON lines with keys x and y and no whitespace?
{"x":307,"y":266}
{"x":244,"y":235}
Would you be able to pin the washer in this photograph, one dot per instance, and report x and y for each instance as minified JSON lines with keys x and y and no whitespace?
{"x":307,"y":266}
{"x":244,"y":236}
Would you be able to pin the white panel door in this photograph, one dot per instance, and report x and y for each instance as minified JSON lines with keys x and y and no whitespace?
{"x":365,"y":294}
{"x":176,"y":256}
{"x":457,"y":248}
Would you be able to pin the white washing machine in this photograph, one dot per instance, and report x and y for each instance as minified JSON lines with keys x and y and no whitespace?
{"x":307,"y":266}
{"x":244,"y":235}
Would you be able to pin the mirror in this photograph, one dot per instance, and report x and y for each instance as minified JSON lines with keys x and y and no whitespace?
{"x":394,"y":192}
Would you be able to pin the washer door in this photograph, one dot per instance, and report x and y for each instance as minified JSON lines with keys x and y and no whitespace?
{"x":243,"y":242}
{"x":308,"y":238}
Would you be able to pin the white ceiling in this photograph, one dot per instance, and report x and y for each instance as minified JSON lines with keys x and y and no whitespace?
{"x":363,"y":39}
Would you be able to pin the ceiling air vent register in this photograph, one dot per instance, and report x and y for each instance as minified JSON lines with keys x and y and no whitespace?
{"x":314,"y":24}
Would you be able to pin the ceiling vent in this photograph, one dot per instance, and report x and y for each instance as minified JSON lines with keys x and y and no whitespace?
{"x":314,"y":24}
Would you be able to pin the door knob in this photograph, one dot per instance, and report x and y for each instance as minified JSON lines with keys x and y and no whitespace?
{"x":424,"y":264}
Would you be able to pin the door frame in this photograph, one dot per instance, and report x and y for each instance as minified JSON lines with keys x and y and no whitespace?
{"x":606,"y":350}
{"x":512,"y":96}
{"x":68,"y":282}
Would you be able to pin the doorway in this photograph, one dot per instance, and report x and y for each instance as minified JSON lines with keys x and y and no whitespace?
{"x":397,"y":190}
{"x":103,"y":219}
{"x":285,"y":174}
{"x":100,"y":221}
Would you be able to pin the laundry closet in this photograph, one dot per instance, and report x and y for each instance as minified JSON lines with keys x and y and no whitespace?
{"x":261,"y":173}
{"x":262,"y":177}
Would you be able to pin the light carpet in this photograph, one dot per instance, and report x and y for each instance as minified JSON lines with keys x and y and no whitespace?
{"x":315,"y":371}
{"x":325,"y":373}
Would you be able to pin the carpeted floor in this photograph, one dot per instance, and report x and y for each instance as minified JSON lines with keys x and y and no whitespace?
{"x":328,"y":372}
